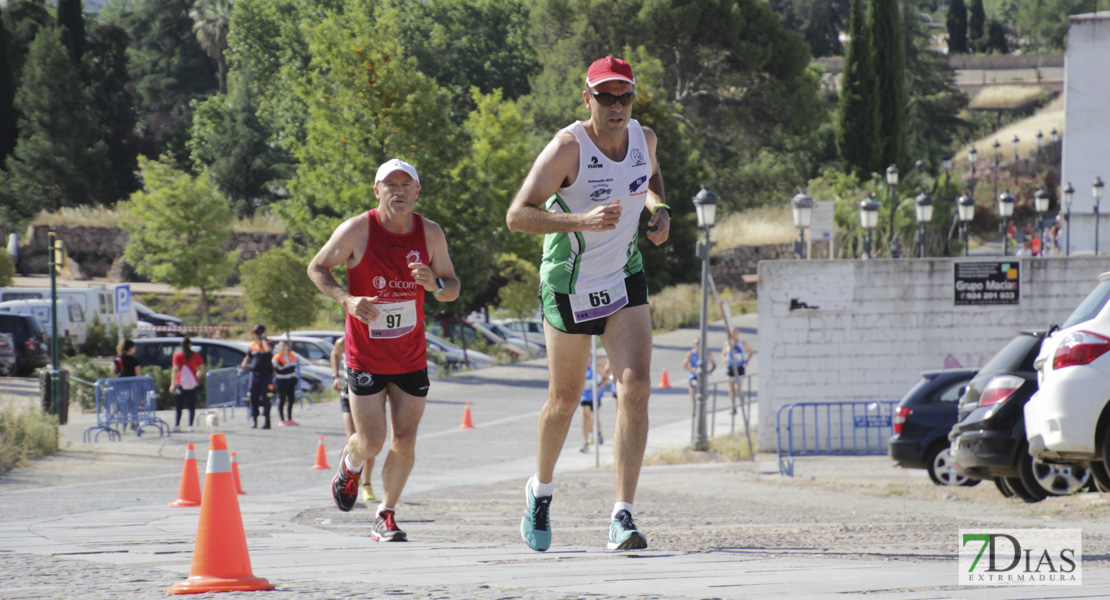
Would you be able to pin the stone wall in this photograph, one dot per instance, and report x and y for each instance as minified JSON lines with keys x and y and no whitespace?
{"x":98,"y":251}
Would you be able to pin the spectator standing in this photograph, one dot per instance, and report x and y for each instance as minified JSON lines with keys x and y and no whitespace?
{"x":188,"y":367}
{"x":125,"y":364}
{"x":260,"y":361}
{"x":285,"y":382}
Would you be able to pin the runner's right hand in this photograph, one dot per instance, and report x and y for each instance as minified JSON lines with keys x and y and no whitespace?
{"x":362,"y":308}
{"x":602,"y":218}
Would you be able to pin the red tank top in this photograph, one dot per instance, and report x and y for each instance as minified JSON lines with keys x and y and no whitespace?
{"x":394,"y":343}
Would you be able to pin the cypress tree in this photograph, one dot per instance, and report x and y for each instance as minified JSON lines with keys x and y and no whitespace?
{"x":976,"y":22}
{"x":857,"y":118}
{"x":8,"y":86}
{"x":59,"y":158}
{"x":885,"y":27}
{"x":957,"y":27}
{"x":109,"y":85}
{"x":71,"y":28}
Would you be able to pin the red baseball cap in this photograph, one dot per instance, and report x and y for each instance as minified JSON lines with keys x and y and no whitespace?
{"x":609,"y":69}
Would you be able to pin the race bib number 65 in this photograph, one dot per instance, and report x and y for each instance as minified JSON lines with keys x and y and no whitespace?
{"x":597,"y":305}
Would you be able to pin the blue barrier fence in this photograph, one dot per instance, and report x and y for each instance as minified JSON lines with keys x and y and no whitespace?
{"x":832,"y":429}
{"x":229,"y":388}
{"x":123,"y":401}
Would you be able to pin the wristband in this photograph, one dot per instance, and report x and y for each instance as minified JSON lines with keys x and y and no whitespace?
{"x":659,"y":206}
{"x":439,"y":282}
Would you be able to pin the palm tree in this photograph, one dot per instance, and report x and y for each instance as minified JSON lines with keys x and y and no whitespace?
{"x":211,"y":21}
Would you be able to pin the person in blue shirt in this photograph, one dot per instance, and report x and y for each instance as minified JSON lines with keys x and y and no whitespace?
{"x":692,"y":365}
{"x":736,"y":354}
{"x":604,"y":383}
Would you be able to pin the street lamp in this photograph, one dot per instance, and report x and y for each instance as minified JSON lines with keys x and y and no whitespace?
{"x":966,"y":208}
{"x":1096,"y":191}
{"x":1014,"y":143}
{"x":1040,"y":142}
{"x":997,"y":159}
{"x":973,"y":157}
{"x":946,"y":164}
{"x":1006,"y":210}
{"x":1040,"y":204}
{"x":869,"y":220}
{"x":803,"y":209}
{"x":892,"y":184}
{"x":705,"y":204}
{"x":923,"y":210}
{"x":1069,"y":192}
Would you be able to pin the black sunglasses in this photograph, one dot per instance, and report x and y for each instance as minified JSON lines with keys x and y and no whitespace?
{"x":607,"y":99}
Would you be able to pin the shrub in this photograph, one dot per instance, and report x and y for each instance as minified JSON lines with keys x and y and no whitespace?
{"x":25,"y":434}
{"x":80,"y":367}
{"x":101,"y":341}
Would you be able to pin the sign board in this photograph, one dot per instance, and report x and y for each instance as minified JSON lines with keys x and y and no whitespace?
{"x":123,"y":298}
{"x":821,"y":225}
{"x":987,"y":283}
{"x":871,"y":421}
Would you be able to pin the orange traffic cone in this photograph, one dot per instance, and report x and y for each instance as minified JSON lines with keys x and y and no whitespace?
{"x":188,"y":491}
{"x":221,"y":562}
{"x":321,"y":456}
{"x":665,"y":380}
{"x":467,"y":423}
{"x":235,"y":472}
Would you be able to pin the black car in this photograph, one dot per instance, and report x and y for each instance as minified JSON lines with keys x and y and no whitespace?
{"x":31,"y":348}
{"x":989,"y":441}
{"x":155,"y":318}
{"x":922,"y":422}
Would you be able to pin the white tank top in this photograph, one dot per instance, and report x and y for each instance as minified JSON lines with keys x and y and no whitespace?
{"x":590,"y":261}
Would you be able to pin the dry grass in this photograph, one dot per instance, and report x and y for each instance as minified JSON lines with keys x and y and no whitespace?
{"x":25,"y":433}
{"x":99,"y":216}
{"x":680,"y":306}
{"x":721,"y":449}
{"x":1044,"y":121}
{"x":260,"y":223}
{"x":1001,"y":97}
{"x":757,"y":227}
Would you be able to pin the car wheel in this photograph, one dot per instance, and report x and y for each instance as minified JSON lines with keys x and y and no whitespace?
{"x":1022,"y":491}
{"x":1003,"y":487}
{"x":1100,"y":475}
{"x":1053,"y":479}
{"x":941,"y":468}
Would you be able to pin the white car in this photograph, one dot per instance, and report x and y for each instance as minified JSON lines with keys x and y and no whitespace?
{"x":521,"y":334}
{"x":1068,"y":420}
{"x":453,"y":355}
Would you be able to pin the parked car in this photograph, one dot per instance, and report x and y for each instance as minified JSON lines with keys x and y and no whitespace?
{"x":151,"y":317}
{"x":98,"y":303}
{"x":71,"y":317}
{"x":325,"y":334}
{"x":218,"y":354}
{"x":922,"y":421}
{"x":527,"y":339}
{"x":452,"y":355}
{"x":7,"y":354}
{"x":1068,"y":419}
{"x":989,"y":439}
{"x":31,"y":348}
{"x":455,"y":330}
{"x":316,"y":350}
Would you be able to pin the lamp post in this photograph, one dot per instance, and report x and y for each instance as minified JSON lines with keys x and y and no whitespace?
{"x":802,"y":206}
{"x":1006,"y":210}
{"x":1054,"y":137}
{"x":1069,"y":192}
{"x":868,"y":219}
{"x":1096,"y":191}
{"x":1014,"y":143}
{"x":966,"y":208}
{"x":1040,"y":142}
{"x":973,"y":157}
{"x":946,"y":164}
{"x":1040,"y":204}
{"x":705,"y":203}
{"x":997,"y":160}
{"x":923,"y":210}
{"x":892,"y":184}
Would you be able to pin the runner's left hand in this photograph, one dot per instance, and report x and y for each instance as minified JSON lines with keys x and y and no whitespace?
{"x":423,"y":276}
{"x":661,"y":222}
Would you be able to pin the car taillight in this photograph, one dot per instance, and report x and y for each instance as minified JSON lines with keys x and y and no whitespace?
{"x":30,"y":345}
{"x":900,"y":416}
{"x":999,"y":389}
{"x":1080,"y":348}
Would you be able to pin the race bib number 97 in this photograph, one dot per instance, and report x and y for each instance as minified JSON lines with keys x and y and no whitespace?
{"x":597,"y":305}
{"x":395,"y":319}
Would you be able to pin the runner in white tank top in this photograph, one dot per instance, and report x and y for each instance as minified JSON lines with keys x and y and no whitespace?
{"x":586,"y":192}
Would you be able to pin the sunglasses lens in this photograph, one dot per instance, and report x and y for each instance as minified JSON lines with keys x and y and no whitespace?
{"x":606,"y":99}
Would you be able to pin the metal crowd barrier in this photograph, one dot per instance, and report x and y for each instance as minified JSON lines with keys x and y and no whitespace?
{"x":858,"y":428}
{"x":229,"y":388}
{"x":741,"y":404}
{"x":123,"y":401}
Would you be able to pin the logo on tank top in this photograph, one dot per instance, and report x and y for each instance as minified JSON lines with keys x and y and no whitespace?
{"x":379,"y":282}
{"x":412,"y":257}
{"x":638,"y":158}
{"x":635,"y":185}
{"x":594,"y":163}
{"x":601,"y":194}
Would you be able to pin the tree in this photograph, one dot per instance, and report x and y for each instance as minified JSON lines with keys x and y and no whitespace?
{"x":59,"y":158}
{"x":212,"y":19}
{"x":518,"y":296}
{"x":113,"y":98}
{"x":1045,"y":22}
{"x":170,"y":70}
{"x":976,"y":20}
{"x":818,"y":20}
{"x":888,"y":46}
{"x":177,"y":227}
{"x":857,"y":117}
{"x":71,"y":28}
{"x":278,"y":292}
{"x":957,"y":27}
{"x":7,"y":268}
{"x":8,"y":116}
{"x":24,"y":19}
{"x":996,"y":38}
{"x":935,"y":104}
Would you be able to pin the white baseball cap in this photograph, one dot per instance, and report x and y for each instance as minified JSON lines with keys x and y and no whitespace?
{"x":396,"y":164}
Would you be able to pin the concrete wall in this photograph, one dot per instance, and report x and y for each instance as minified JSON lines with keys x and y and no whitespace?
{"x":871,"y":327}
{"x":1087,"y":123}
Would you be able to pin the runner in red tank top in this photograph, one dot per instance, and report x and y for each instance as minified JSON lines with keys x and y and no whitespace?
{"x":390,"y":253}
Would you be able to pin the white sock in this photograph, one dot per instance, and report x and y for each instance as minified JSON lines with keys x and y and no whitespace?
{"x":382,"y":507}
{"x":619,"y":506}
{"x":540,"y":490}
{"x":350,"y":465}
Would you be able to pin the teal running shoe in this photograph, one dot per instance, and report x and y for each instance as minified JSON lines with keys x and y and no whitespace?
{"x":535,"y":527}
{"x":623,"y":534}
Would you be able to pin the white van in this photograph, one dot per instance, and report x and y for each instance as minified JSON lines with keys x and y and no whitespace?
{"x":71,"y":317}
{"x":98,"y":303}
